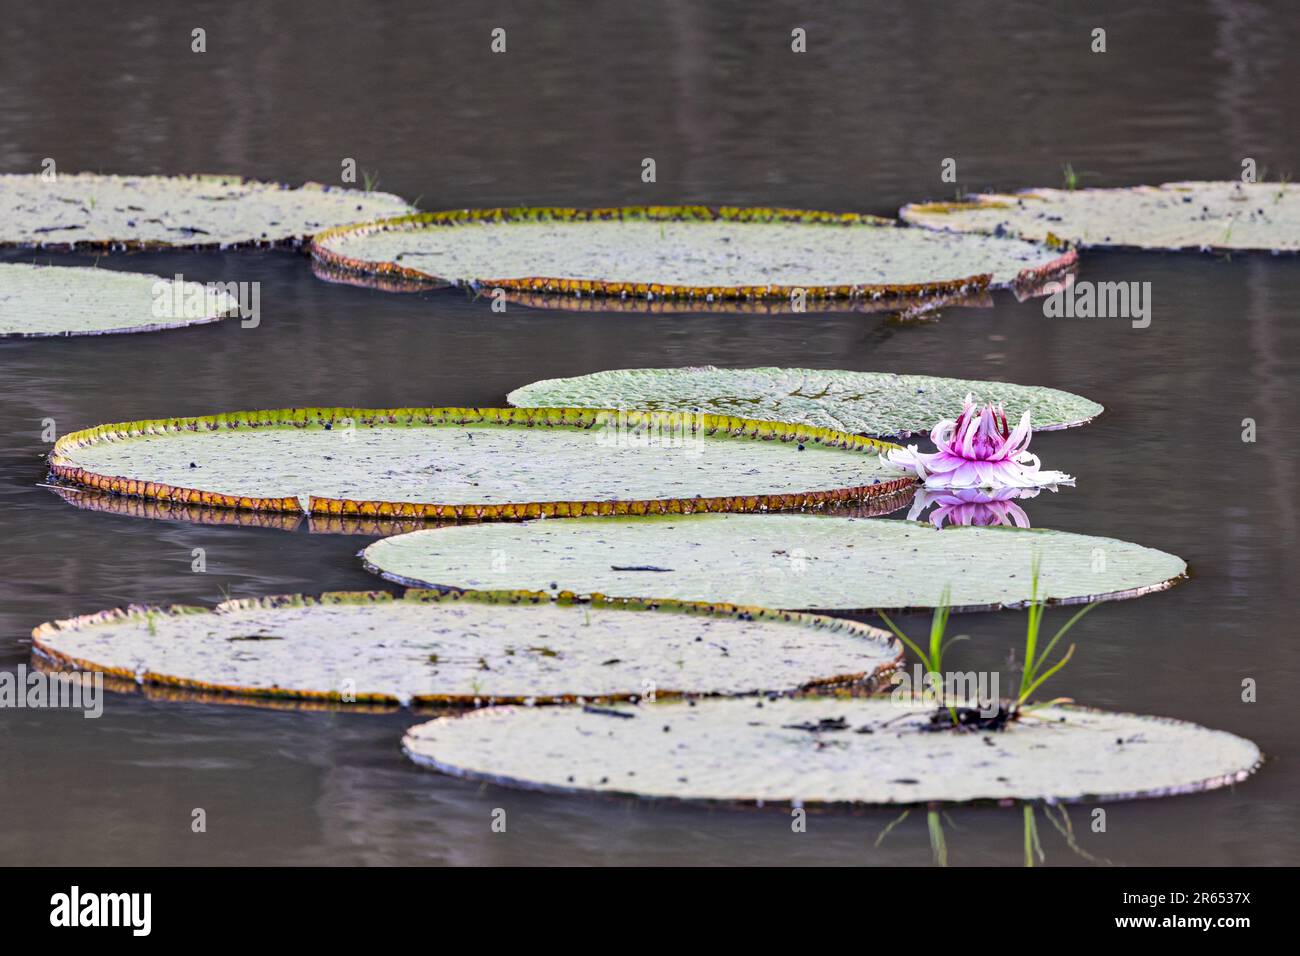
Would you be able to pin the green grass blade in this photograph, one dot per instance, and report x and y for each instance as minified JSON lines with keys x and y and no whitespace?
{"x":925,"y":660}
{"x":938,"y":845}
{"x":887,"y":830}
{"x":1047,"y":651}
{"x":1039,"y":682}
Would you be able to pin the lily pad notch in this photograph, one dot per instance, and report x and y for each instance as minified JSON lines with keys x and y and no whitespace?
{"x":468,"y":649}
{"x":710,"y":254}
{"x":122,"y":448}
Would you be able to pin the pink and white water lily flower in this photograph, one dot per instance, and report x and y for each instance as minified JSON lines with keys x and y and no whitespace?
{"x":978,"y":450}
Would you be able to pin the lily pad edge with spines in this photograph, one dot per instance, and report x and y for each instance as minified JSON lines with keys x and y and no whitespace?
{"x":713,"y":426}
{"x":320,"y":252}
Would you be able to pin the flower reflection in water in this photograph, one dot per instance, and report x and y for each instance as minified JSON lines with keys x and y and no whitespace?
{"x":973,"y":506}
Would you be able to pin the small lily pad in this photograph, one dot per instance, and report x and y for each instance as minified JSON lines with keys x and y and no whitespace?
{"x":54,"y":301}
{"x":477,"y":463}
{"x":687,"y":252}
{"x":471,"y":648}
{"x":882,"y":404}
{"x":87,"y":210}
{"x":1183,"y":215}
{"x":829,"y":752}
{"x":826,"y":562}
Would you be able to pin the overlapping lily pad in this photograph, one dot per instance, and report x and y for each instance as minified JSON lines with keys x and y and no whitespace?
{"x":87,"y":210}
{"x":829,"y":752}
{"x":1182,"y":215}
{"x":825,"y":562}
{"x":54,"y":301}
{"x":882,"y":404}
{"x":477,"y":464}
{"x":687,"y":252}
{"x":430,"y":648}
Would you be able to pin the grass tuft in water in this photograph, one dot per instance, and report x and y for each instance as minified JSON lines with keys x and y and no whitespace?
{"x":1034,"y":674}
{"x":932,"y":661}
{"x":1037,"y":669}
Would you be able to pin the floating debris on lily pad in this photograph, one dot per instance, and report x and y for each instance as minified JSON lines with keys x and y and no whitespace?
{"x":883,"y":404}
{"x":829,"y":752}
{"x":825,"y":562}
{"x":684,"y":252}
{"x":1184,"y":215}
{"x":468,"y":648}
{"x":478,"y":463}
{"x":57,"y":301}
{"x":88,"y":210}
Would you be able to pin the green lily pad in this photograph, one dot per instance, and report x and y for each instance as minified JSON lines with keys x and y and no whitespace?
{"x":904,"y":307}
{"x":53,"y":301}
{"x":828,"y":752}
{"x":485,"y":464}
{"x":865,"y":403}
{"x":430,"y":648}
{"x":826,"y":562}
{"x":76,"y":210}
{"x":1184,"y":215}
{"x":691,"y":252}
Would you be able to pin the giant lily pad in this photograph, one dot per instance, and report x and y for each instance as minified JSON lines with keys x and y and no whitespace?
{"x":157,"y":509}
{"x":865,"y":403}
{"x":51,"y":301}
{"x":477,"y":463}
{"x":902,"y":307}
{"x":1185,"y":215}
{"x":367,"y":647}
{"x":792,"y":561}
{"x":689,"y":252}
{"x":148,"y":212}
{"x":829,"y":752}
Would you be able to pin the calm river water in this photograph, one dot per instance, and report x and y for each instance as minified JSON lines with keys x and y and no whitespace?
{"x":860,"y":122}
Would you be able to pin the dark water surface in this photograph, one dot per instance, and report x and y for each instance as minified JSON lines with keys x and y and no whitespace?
{"x":861,"y":122}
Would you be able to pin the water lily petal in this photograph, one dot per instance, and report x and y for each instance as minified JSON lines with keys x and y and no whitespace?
{"x":1023,"y":432}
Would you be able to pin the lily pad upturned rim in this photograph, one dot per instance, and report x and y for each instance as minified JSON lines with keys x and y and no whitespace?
{"x":915,"y":214}
{"x":42,"y":633}
{"x":1204,"y":785}
{"x":713,"y":426}
{"x":579,"y":287}
{"x":904,"y":305}
{"x":155,"y":509}
{"x":158,"y":245}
